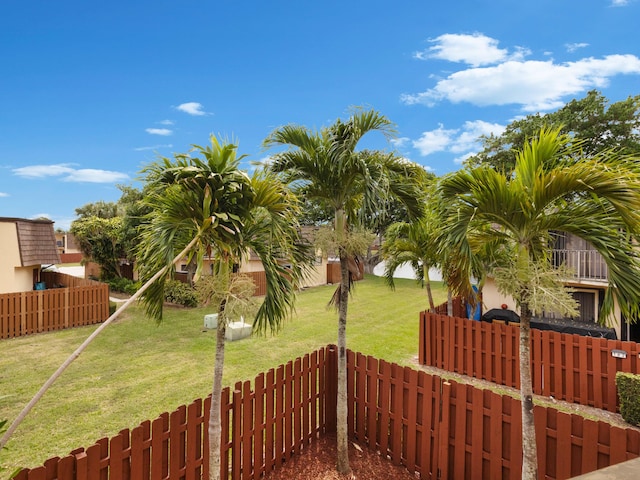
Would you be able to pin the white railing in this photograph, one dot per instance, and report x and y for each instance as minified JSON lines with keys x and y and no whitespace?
{"x":582,"y":264}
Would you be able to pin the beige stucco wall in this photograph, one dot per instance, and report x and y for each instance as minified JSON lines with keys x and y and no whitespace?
{"x":13,"y":277}
{"x":317,"y":275}
{"x":491,"y":298}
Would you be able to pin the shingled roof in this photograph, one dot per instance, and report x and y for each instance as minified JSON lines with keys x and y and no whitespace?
{"x":36,"y":241}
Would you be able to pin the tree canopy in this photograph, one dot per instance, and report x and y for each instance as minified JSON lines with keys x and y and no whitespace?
{"x":593,"y":121}
{"x":107,"y":232}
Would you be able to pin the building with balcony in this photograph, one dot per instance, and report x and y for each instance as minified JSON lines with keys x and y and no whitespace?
{"x":587,"y":276}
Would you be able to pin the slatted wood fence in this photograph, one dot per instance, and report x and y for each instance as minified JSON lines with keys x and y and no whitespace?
{"x":262,"y":427}
{"x":440,"y":429}
{"x":80,"y":302}
{"x":435,"y":428}
{"x":567,"y":367}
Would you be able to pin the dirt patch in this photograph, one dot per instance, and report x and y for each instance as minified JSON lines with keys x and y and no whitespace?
{"x":318,"y":462}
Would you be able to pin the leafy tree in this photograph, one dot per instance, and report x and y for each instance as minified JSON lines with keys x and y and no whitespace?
{"x":591,"y":121}
{"x":555,"y":186}
{"x":100,"y":239}
{"x":206,"y":198}
{"x":100,"y":209}
{"x":107,"y":232}
{"x":355,"y":185}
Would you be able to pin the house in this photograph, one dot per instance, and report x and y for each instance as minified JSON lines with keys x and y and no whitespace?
{"x":251,"y":265}
{"x":589,"y":280}
{"x":26,"y":246}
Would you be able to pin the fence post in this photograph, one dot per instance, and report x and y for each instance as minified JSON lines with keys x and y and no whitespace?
{"x":442,"y":438}
{"x":422,"y":341}
{"x":331,"y":389}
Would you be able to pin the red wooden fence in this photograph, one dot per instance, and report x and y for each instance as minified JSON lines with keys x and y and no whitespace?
{"x":435,"y":428}
{"x":442,"y":429}
{"x":261,"y":428}
{"x":573,"y":368}
{"x":80,"y":302}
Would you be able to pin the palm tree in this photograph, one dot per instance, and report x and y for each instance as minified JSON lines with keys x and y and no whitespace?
{"x":354,"y":184}
{"x":414,"y":243}
{"x":209,"y":199}
{"x":554,"y":187}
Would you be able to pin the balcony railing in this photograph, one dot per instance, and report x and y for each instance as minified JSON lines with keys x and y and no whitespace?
{"x":582,"y":264}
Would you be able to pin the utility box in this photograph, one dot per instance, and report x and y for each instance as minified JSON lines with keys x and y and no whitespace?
{"x":211,"y":320}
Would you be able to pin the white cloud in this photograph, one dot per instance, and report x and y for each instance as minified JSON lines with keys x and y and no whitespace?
{"x":262,"y":162}
{"x":400,"y":142}
{"x":192,"y":108}
{"x":68,"y":173}
{"x":434,"y":141}
{"x":153,"y":147}
{"x":461,"y":159}
{"x":90,"y":175}
{"x":619,"y":3}
{"x":474,"y":50}
{"x":572,"y":47}
{"x":535,"y":85}
{"x":159,"y":131}
{"x":471,"y":132}
{"x":166,"y":122}
{"x":462,"y":140}
{"x":3,"y":194}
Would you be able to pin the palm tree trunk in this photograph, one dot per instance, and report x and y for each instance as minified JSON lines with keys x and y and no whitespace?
{"x":427,"y":284}
{"x":342,"y":407}
{"x":529,"y":448}
{"x":85,"y":344}
{"x":215,"y":422}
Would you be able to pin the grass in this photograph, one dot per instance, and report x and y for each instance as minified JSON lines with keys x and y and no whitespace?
{"x":136,"y":370}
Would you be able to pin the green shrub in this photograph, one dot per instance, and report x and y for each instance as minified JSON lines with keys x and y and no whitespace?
{"x":180,"y":293}
{"x":123,"y":285}
{"x":628,"y":386}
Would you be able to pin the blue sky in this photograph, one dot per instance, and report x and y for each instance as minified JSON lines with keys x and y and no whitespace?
{"x":90,"y":92}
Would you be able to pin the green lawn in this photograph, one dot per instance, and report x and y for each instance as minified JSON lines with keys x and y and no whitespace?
{"x":136,"y":370}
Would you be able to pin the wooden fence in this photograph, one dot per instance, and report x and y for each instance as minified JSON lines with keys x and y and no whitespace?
{"x":441,"y":429}
{"x":435,"y":428}
{"x":260,"y":279}
{"x":286,"y":410}
{"x":74,"y":302}
{"x":333,"y":272}
{"x":459,"y":307}
{"x":567,"y":367}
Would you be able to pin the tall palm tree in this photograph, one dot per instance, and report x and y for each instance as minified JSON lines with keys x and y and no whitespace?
{"x":554,"y":187}
{"x":354,"y":184}
{"x":206,"y":197}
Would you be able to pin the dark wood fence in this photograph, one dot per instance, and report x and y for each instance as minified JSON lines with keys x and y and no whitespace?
{"x":74,"y":302}
{"x":435,"y":428}
{"x":573,"y":368}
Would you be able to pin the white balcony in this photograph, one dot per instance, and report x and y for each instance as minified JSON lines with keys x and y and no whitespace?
{"x":582,"y":264}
